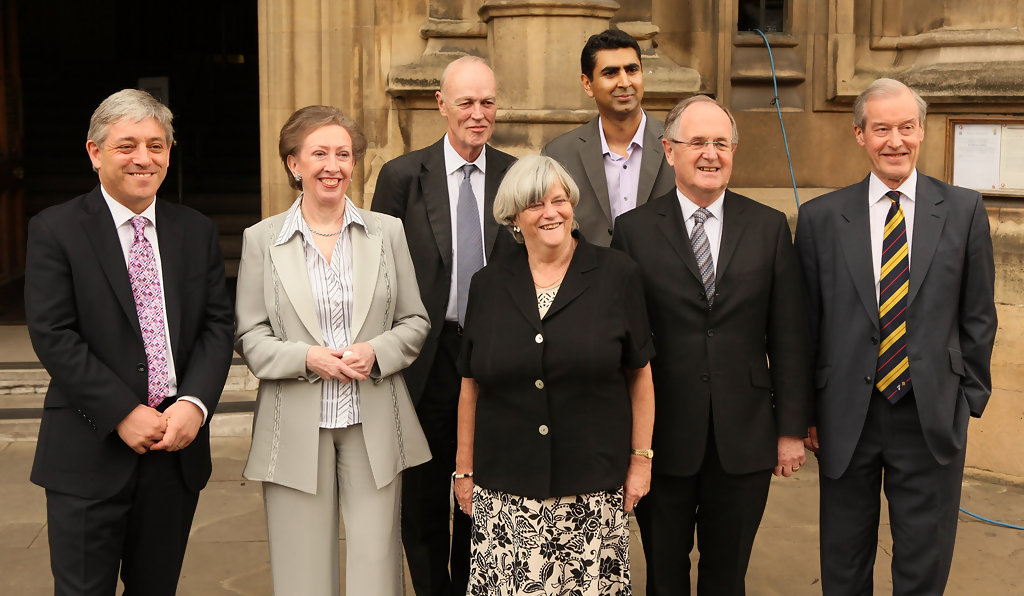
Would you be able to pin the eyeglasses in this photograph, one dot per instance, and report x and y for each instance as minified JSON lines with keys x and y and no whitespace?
{"x":885,"y":130}
{"x":699,"y":144}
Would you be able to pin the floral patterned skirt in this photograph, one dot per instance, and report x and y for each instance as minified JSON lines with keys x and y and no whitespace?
{"x":576,"y":545}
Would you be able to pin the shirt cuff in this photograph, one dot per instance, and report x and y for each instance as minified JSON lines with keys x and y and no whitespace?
{"x":198,"y":402}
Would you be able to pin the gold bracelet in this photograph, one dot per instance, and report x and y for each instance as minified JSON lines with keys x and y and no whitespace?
{"x":648,"y":453}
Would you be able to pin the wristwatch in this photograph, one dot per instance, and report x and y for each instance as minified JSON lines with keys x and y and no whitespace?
{"x":648,"y":453}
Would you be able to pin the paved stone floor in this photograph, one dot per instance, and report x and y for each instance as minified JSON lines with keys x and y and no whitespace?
{"x":227,"y":553}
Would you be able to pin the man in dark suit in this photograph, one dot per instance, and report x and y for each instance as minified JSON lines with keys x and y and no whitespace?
{"x":902,"y":356}
{"x":732,"y":370}
{"x":128,"y":312}
{"x":444,"y":194}
{"x":616,"y":159}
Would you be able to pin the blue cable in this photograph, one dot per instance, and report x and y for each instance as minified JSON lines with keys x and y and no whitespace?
{"x":775,"y":102}
{"x":992,"y":521}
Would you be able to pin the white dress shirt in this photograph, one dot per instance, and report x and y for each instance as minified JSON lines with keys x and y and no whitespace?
{"x":712,"y":226}
{"x":126,"y":234}
{"x":878,"y":206}
{"x":622,"y":173}
{"x":453,"y":163}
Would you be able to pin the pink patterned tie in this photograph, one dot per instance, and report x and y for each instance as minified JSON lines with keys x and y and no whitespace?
{"x":145,"y":278}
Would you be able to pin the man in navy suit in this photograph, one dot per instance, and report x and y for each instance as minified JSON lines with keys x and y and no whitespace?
{"x":128,"y":311}
{"x":900,"y":286}
{"x":422,"y":188}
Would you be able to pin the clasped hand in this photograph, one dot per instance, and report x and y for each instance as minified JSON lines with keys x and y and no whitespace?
{"x":345,"y":364}
{"x":145,"y":429}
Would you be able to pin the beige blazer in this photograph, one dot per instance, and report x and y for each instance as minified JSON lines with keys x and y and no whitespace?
{"x":276,"y":324}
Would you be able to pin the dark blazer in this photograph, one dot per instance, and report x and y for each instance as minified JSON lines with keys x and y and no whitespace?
{"x":414,"y":188}
{"x":579,"y":151}
{"x":719,"y":359}
{"x":85,"y":330}
{"x":554,"y":415}
{"x":951,"y":315}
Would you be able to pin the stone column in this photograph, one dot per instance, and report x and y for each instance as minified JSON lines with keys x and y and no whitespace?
{"x":663,"y":79}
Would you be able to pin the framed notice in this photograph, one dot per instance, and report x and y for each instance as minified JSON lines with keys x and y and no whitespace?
{"x":986,"y":154}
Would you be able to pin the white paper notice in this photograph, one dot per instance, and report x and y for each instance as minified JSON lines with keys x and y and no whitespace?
{"x":976,"y":155}
{"x":1012,"y":166}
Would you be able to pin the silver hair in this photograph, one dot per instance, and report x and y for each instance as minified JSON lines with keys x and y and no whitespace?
{"x":885,"y":88}
{"x":677,"y":113}
{"x":526,"y":183}
{"x":460,"y":61}
{"x":128,"y":104}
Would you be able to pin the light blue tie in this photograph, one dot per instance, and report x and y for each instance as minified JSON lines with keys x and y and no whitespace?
{"x":469,"y":240}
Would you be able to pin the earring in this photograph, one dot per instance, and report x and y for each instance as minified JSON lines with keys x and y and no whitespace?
{"x":298,"y":177}
{"x":515,"y":229}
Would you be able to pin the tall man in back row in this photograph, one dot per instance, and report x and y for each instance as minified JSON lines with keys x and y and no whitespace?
{"x":444,"y":194}
{"x":127,"y":310}
{"x":900,"y":282}
{"x":617,"y":158}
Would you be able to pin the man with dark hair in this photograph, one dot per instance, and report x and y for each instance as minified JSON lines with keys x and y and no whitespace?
{"x":128,"y":311}
{"x":616,"y":158}
{"x":444,"y":194}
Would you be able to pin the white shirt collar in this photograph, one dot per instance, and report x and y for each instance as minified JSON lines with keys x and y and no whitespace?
{"x":877,"y":188}
{"x":122,"y":214}
{"x":689,"y":206}
{"x":638,"y":136}
{"x":453,"y":161}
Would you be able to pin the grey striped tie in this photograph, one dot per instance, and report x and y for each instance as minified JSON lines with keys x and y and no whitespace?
{"x":702,"y":250}
{"x":469,"y":242}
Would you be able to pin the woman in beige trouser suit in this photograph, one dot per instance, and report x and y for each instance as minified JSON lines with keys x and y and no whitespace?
{"x":307,"y":459}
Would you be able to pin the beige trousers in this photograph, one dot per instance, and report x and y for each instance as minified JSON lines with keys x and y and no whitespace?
{"x":303,"y":528}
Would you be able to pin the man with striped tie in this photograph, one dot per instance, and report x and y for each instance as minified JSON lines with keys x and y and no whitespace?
{"x":900,"y":279}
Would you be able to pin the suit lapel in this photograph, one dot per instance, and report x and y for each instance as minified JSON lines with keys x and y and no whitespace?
{"x":575,"y":281}
{"x":855,"y":238}
{"x":650,"y":162}
{"x":496,"y":168}
{"x":929,"y":218}
{"x":434,"y":188}
{"x":366,"y":255}
{"x":672,"y":228}
{"x":98,"y":227}
{"x":289,"y":260}
{"x":593,"y":163}
{"x":519,"y":285}
{"x":734,"y":222}
{"x":171,"y":239}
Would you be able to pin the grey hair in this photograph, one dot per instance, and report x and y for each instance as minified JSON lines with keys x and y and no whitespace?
{"x":128,"y":104}
{"x":677,"y":113}
{"x":470,"y":59}
{"x":885,"y":88}
{"x":526,"y":183}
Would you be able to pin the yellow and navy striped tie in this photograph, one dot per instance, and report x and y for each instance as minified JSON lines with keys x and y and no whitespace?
{"x":893,"y":376}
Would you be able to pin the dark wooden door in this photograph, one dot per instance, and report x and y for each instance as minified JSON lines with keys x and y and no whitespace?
{"x":12,"y":201}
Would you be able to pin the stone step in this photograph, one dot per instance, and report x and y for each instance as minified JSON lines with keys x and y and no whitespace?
{"x":27,"y":378}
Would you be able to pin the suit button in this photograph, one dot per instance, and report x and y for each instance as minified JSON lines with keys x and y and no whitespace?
{"x":711,"y":332}
{"x":867,"y":380}
{"x":705,"y":377}
{"x":539,"y":384}
{"x":539,"y":339}
{"x":874,"y":341}
{"x":140,"y":367}
{"x":543,"y":429}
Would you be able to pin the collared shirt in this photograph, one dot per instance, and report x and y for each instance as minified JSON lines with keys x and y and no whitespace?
{"x":878,"y":208}
{"x":622,"y":173}
{"x":126,"y":234}
{"x":453,"y":163}
{"x":712,"y":225}
{"x":332,"y":296}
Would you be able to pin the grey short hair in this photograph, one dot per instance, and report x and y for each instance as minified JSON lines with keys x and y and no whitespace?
{"x":885,"y":88}
{"x":677,"y":113}
{"x":128,"y":104}
{"x":470,"y":59}
{"x":526,"y":183}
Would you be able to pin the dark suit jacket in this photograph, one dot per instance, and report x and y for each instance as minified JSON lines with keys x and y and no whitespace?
{"x":951,"y":315}
{"x":718,"y":360}
{"x":414,"y":188}
{"x":85,"y":330}
{"x":579,"y":151}
{"x":569,"y":434}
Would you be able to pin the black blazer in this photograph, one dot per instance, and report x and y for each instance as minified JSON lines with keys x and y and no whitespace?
{"x":414,"y":188}
{"x":85,"y":330}
{"x":554,"y":416}
{"x":951,"y":314}
{"x":718,"y":360}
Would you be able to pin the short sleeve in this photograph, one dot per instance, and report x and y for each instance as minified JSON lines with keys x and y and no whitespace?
{"x":638,"y":345}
